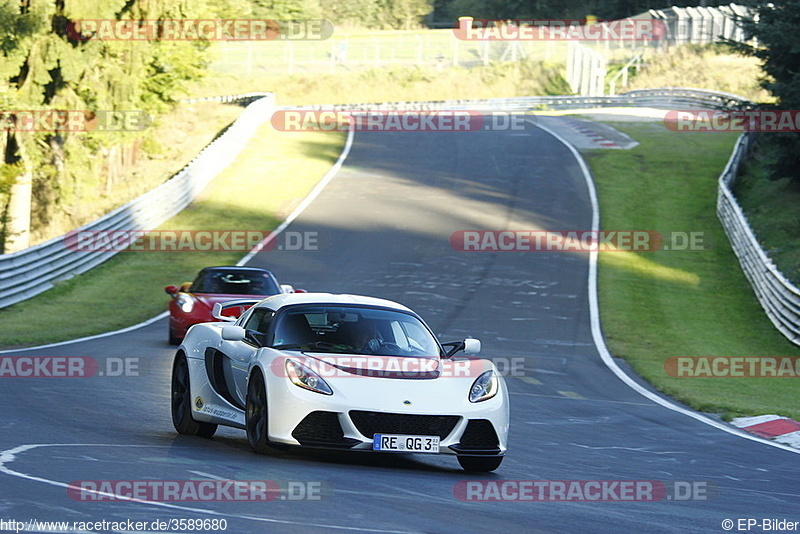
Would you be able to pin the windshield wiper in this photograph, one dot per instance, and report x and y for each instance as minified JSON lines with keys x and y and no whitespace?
{"x":317,"y":346}
{"x":290,"y":346}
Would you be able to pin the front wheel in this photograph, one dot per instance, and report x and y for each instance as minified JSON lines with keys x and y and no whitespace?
{"x":257,"y":415}
{"x":182,"y":402}
{"x":482,"y":464}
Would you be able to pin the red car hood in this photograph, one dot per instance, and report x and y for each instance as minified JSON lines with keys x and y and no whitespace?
{"x":208,"y":300}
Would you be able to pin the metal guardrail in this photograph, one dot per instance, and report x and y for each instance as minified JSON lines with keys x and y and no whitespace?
{"x":34,"y":270}
{"x":779,"y":297}
{"x":667,"y":98}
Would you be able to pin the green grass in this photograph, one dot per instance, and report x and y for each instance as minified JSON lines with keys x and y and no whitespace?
{"x":273,"y":173}
{"x":398,"y":83}
{"x":712,"y":67}
{"x":773,"y":211}
{"x":665,"y":303}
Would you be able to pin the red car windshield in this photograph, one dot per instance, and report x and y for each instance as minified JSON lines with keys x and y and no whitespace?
{"x":235,"y":283}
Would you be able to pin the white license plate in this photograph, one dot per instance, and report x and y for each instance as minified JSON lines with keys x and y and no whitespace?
{"x":404,"y":443}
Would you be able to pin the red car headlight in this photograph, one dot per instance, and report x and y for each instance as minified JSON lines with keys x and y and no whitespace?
{"x":185,"y":303}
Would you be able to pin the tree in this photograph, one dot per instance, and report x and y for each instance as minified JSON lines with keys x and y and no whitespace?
{"x":18,"y":26}
{"x":286,"y":10}
{"x":777,"y":45}
{"x":43,"y":66}
{"x":405,"y":14}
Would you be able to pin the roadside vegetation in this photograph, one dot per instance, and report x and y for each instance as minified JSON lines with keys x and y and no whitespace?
{"x":712,"y":67}
{"x":667,"y":303}
{"x":772,"y":206}
{"x":129,"y":288}
{"x":400,"y":83}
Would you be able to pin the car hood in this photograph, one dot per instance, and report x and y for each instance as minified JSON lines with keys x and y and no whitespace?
{"x":208,"y":300}
{"x":401,"y":367}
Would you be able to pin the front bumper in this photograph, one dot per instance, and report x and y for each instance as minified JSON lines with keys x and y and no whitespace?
{"x":349,"y":420}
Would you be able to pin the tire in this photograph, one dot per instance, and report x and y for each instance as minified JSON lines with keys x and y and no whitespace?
{"x":256,"y":417}
{"x":482,"y":464}
{"x":182,"y":402}
{"x":172,"y":339}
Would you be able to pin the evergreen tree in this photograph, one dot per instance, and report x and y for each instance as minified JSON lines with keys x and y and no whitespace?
{"x":777,"y":45}
{"x":44,"y":66}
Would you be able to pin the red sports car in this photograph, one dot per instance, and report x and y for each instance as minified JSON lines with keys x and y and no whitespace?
{"x":192,"y":302}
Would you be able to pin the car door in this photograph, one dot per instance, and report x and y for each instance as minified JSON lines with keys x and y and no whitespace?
{"x":235,"y":356}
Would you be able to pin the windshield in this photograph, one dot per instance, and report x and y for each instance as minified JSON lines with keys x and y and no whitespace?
{"x":235,"y":283}
{"x":354,"y":330}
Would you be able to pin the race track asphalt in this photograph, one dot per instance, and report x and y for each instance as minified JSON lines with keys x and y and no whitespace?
{"x":383,"y":228}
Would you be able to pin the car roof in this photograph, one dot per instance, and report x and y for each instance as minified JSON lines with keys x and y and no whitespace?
{"x":276,"y":302}
{"x":234,"y":268}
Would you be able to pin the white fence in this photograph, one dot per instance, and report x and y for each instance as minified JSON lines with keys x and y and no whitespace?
{"x":29,"y":272}
{"x":586,"y":70}
{"x":701,"y":25}
{"x":587,"y":64}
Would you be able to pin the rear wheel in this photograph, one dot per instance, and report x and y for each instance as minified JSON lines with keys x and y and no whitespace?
{"x":482,"y":464}
{"x":257,"y":414}
{"x":182,"y":402}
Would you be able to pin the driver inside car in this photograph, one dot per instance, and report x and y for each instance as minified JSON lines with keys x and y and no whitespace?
{"x":366,"y":338}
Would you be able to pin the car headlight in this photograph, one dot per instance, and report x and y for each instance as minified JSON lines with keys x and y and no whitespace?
{"x":185,"y":302}
{"x":484,"y":388}
{"x":302,"y":376}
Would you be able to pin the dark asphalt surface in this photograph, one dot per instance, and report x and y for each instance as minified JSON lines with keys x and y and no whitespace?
{"x":383,"y":227}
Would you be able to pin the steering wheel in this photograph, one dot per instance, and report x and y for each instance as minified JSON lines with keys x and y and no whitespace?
{"x":389,"y":349}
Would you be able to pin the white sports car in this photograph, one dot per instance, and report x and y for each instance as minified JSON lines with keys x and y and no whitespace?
{"x":339,"y":372}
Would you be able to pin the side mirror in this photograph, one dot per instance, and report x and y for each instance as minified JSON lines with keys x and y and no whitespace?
{"x":469,"y":346}
{"x":219,"y":309}
{"x":472,"y":346}
{"x":231,"y":332}
{"x":171,"y":290}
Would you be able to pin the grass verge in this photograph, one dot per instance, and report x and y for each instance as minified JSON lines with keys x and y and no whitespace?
{"x":270,"y":177}
{"x":655,"y":305}
{"x":713,"y":67}
{"x":772,"y":207}
{"x":397,"y":83}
